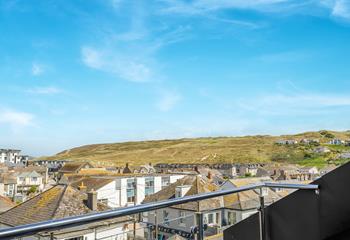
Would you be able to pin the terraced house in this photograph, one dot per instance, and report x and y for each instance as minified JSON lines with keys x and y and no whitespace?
{"x":124,"y":189}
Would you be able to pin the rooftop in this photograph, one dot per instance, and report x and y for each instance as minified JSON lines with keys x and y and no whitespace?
{"x":197,"y":185}
{"x":58,"y":202}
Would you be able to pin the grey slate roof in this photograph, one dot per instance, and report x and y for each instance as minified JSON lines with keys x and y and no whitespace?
{"x":198,"y":185}
{"x":57,"y":202}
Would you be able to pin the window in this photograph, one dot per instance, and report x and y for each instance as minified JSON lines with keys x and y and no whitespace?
{"x":21,"y":179}
{"x":34,"y":179}
{"x":165,"y":181}
{"x":210,"y":218}
{"x":182,"y":216}
{"x":149,"y":186}
{"x":231,"y":218}
{"x":166,"y":217}
{"x":130,"y":189}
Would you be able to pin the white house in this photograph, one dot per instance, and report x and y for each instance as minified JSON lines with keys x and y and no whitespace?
{"x":309,"y":170}
{"x":248,"y":169}
{"x":27,"y":180}
{"x":336,"y":141}
{"x":286,"y":142}
{"x":122,"y":191}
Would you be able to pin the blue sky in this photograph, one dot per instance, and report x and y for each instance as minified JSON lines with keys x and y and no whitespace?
{"x":79,"y":72}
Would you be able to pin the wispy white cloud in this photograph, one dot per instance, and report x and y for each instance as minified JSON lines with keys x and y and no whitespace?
{"x":288,"y":56}
{"x":116,"y":3}
{"x":126,"y":67}
{"x":168,"y":100}
{"x":341,"y":8}
{"x":292,"y":105}
{"x":37,"y":69}
{"x":92,"y":57}
{"x":44,"y":90}
{"x":336,"y":8}
{"x":16,"y":119}
{"x":202,"y":7}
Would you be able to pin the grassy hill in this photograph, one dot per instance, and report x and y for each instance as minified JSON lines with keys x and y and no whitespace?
{"x":207,"y":150}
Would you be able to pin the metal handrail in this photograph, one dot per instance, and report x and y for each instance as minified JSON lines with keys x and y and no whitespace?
{"x":46,"y":226}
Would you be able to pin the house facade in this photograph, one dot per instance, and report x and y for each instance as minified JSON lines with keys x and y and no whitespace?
{"x":29,"y":180}
{"x":180,"y":219}
{"x":123,"y":191}
{"x":13,"y":156}
{"x":8,"y":185}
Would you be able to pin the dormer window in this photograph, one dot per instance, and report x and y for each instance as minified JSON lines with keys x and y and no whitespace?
{"x":180,"y":191}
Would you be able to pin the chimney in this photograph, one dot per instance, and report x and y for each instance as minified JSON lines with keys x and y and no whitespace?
{"x":196,"y":169}
{"x":92,"y":200}
{"x":209,"y":175}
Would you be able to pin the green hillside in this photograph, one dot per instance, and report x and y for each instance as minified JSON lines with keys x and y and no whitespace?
{"x":209,"y":150}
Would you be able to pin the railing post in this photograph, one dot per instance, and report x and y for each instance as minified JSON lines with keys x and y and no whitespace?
{"x":156,"y":225}
{"x":199,"y":222}
{"x":135,"y":203}
{"x":262,"y":215}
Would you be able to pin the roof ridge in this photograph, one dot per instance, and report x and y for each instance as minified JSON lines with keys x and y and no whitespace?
{"x":59,"y":200}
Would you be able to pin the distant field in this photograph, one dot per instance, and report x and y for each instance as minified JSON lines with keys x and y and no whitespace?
{"x":205,"y":150}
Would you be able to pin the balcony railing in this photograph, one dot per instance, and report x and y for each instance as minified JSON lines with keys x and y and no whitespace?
{"x":58,"y":224}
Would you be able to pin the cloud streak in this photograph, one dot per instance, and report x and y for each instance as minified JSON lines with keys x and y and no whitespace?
{"x":122,"y":66}
{"x":206,"y":8}
{"x":44,"y":90}
{"x":341,"y":8}
{"x":291,"y":105}
{"x":16,"y":119}
{"x":168,"y":100}
{"x":37,"y":69}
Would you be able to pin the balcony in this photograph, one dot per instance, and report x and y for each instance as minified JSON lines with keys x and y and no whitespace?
{"x":135,"y":222}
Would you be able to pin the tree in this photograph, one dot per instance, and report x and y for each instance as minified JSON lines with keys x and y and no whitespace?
{"x":32,"y":189}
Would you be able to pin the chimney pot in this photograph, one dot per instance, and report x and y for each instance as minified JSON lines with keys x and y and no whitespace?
{"x":209,"y":175}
